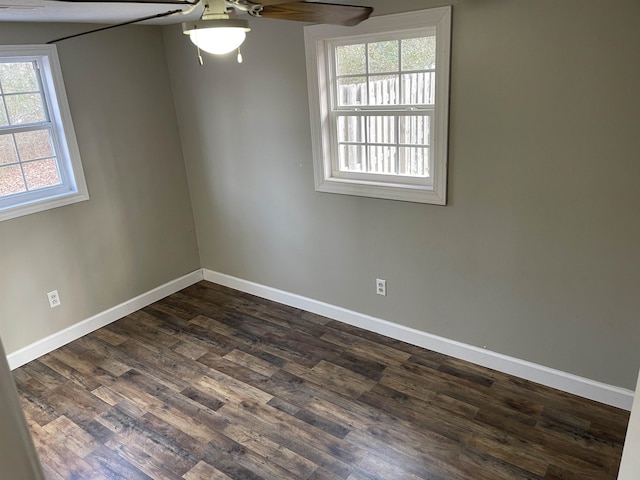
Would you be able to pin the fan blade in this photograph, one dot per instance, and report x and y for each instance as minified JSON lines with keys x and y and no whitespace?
{"x":330,"y":13}
{"x":150,"y":17}
{"x":267,"y":3}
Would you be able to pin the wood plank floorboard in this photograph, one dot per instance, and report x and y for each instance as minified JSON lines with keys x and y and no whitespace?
{"x":211,"y":383}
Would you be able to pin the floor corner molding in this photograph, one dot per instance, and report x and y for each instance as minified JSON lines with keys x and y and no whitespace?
{"x":567,"y":382}
{"x":58,"y":339}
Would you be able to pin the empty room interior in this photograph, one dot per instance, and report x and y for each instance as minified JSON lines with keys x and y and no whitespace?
{"x":223,"y":308}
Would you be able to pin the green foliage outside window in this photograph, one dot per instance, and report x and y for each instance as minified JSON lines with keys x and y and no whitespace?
{"x":407,"y":55}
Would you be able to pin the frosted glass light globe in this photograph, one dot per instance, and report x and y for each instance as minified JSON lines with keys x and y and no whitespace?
{"x":217,"y":35}
{"x":218,"y":40}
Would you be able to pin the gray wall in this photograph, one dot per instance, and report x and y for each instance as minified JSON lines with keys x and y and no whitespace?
{"x":136,"y":232}
{"x":536,"y":255}
{"x":18,"y":459}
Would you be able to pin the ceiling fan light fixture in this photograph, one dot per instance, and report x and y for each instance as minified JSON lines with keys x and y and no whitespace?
{"x":218,"y":36}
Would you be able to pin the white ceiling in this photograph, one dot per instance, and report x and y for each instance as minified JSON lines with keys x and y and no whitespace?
{"x":113,"y":12}
{"x":110,"y":13}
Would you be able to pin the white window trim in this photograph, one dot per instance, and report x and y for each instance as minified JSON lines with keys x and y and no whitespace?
{"x":75,"y":188}
{"x":317,"y":37}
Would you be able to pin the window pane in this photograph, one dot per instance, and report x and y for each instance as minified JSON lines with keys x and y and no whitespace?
{"x":25,"y":108}
{"x":352,"y":91}
{"x":418,"y":88}
{"x":382,"y":159}
{"x":352,"y":158}
{"x":418,"y":53}
{"x":7,"y":150}
{"x":41,"y":174}
{"x":414,"y":130}
{"x":18,"y":77}
{"x":414,"y":162}
{"x":33,"y":145}
{"x":382,"y":129}
{"x":393,"y":94}
{"x":38,"y":152}
{"x":351,"y":60}
{"x":3,"y":113}
{"x":11,"y":180}
{"x":383,"y":57}
{"x":351,"y":129}
{"x":383,"y":90}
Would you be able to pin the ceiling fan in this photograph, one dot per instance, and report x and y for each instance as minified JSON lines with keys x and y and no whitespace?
{"x":220,"y":31}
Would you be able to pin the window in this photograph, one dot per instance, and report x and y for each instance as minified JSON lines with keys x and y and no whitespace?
{"x":379,"y":98}
{"x":39,"y":161}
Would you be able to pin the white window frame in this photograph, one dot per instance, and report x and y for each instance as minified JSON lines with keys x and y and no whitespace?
{"x":73,"y":187}
{"x":319,"y":46}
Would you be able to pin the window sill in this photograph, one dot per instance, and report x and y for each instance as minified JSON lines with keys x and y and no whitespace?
{"x":35,"y":206}
{"x":402,"y":192}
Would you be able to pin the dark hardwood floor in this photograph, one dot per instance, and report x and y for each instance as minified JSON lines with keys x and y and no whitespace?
{"x":211,"y":383}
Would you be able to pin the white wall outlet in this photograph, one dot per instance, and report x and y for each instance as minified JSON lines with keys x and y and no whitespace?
{"x":381,"y":287}
{"x":54,"y":299}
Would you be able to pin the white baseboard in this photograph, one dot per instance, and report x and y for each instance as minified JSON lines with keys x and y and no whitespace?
{"x":567,"y":382}
{"x":50,"y":343}
{"x":584,"y":387}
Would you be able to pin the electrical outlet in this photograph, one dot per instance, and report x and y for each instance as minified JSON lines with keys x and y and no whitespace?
{"x":54,"y":299}
{"x":381,"y":287}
